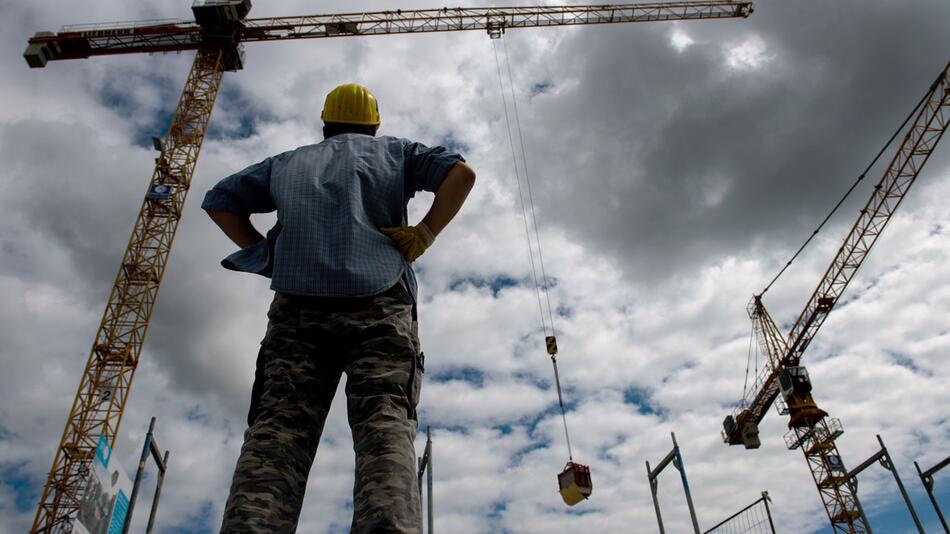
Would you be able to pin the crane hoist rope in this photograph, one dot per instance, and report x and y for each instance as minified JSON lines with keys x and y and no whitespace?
{"x":574,"y":480}
{"x":753,"y":352}
{"x":524,"y":160}
{"x":521,"y":197}
{"x":848,"y":192}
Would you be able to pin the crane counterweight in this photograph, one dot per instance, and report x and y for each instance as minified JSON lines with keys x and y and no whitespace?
{"x":217,"y":13}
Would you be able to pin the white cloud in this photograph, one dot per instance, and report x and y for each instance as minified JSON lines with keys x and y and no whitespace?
{"x":680,"y":40}
{"x":751,"y":54}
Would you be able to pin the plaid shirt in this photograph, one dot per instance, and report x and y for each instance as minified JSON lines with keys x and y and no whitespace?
{"x":331,"y":199}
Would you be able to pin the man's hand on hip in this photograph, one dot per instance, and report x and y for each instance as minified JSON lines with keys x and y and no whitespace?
{"x":412,"y":241}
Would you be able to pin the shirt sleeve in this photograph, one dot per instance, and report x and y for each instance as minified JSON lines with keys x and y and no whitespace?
{"x":244,"y":192}
{"x":426,"y":167}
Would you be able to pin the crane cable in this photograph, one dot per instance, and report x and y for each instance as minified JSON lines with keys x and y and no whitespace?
{"x":753,"y":351}
{"x":541,"y":287}
{"x":848,"y":192}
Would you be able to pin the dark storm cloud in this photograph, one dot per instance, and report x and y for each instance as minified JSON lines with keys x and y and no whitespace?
{"x":70,"y":202}
{"x":78,"y":211}
{"x":676,"y":158}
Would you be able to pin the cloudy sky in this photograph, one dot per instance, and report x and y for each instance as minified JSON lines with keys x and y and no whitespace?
{"x":675,"y":167}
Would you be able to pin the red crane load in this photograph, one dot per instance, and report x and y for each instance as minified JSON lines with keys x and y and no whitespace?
{"x":575,"y":483}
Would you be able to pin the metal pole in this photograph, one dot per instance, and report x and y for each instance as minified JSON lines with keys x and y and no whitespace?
{"x":889,"y":465}
{"x":768,"y":512}
{"x":425,"y":467}
{"x":857,"y":504}
{"x":926,"y":477}
{"x":158,"y":494}
{"x":852,"y":483}
{"x":422,"y":467}
{"x":678,"y":464}
{"x":656,"y":504}
{"x":429,"y":477}
{"x":138,"y":477}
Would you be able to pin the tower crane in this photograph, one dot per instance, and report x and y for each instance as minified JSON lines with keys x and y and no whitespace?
{"x":810,"y":428}
{"x":217,"y":34}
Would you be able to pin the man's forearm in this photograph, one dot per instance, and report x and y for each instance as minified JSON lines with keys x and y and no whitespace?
{"x":238,"y":228}
{"x":449,"y":197}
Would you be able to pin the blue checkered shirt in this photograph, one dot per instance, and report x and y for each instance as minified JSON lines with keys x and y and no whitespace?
{"x":331,"y":200}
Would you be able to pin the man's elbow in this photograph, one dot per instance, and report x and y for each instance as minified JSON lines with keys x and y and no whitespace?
{"x":216,"y":214}
{"x":224,"y":217}
{"x":465,"y":174}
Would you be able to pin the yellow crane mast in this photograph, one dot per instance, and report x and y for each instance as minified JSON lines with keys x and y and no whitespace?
{"x":217,"y":34}
{"x":810,"y":428}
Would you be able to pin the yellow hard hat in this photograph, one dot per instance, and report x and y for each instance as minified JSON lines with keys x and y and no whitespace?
{"x":351,"y":103}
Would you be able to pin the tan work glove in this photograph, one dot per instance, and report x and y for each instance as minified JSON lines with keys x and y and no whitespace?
{"x":411,"y":240}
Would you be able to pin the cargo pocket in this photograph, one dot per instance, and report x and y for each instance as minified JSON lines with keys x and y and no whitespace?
{"x":258,"y":387}
{"x":414,"y":388}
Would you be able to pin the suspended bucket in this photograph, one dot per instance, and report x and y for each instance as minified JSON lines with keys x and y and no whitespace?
{"x":575,"y":483}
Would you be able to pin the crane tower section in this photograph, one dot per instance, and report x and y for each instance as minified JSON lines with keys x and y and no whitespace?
{"x":107,"y":377}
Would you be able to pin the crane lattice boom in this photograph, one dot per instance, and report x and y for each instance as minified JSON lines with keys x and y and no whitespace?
{"x":81,"y":41}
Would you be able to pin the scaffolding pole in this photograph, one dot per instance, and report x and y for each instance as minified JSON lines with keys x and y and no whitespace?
{"x":768,"y":511}
{"x":884,"y":458}
{"x":425,"y":467}
{"x":151,"y":446}
{"x":927,"y":478}
{"x":672,"y":457}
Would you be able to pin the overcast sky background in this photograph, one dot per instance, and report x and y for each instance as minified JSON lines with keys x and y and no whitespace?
{"x":675,"y":167}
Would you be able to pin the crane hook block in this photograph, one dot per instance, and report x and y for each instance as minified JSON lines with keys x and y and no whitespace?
{"x":551,"y":343}
{"x":575,"y":483}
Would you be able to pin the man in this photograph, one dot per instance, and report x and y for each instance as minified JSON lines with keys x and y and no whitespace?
{"x":345,"y":296}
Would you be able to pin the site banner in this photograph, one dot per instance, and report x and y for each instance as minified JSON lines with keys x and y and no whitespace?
{"x":105,"y":503}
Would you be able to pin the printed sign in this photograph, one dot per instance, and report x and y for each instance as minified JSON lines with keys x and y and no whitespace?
{"x":834,"y":463}
{"x":105,"y":503}
{"x":158,"y":192}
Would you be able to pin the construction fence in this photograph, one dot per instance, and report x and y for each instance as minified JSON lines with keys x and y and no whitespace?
{"x":753,"y":519}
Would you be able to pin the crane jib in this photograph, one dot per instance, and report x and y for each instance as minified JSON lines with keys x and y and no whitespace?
{"x":78,"y":42}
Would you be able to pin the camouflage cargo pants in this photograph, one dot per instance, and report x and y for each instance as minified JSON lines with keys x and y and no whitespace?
{"x":309,"y":343}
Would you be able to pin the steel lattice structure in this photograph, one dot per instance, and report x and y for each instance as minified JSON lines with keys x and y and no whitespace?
{"x":81,"y":41}
{"x":814,"y":433}
{"x":218,"y":35}
{"x":810,"y":429}
{"x":107,"y":378}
